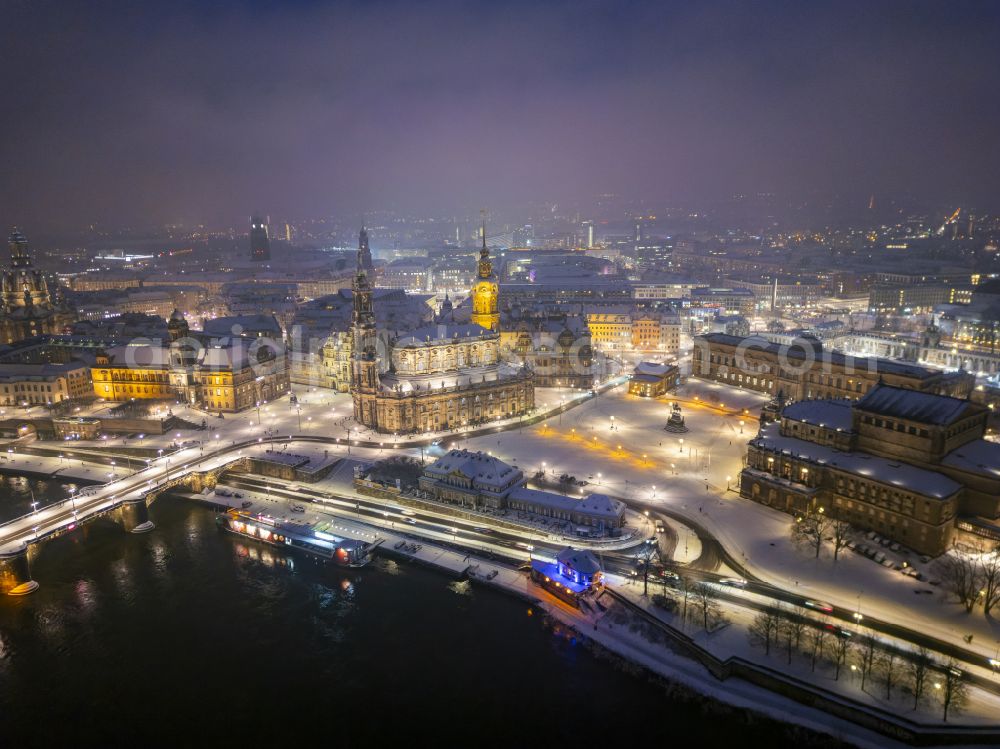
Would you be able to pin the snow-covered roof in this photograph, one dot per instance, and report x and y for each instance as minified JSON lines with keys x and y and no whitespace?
{"x":655,"y":369}
{"x":579,"y":560}
{"x":227,"y":357}
{"x":978,"y":456}
{"x":443,"y":333}
{"x":917,"y":480}
{"x":595,"y":505}
{"x":794,"y":350}
{"x":829,"y":413}
{"x":16,"y":370}
{"x":602,"y":504}
{"x":239,"y":324}
{"x":482,"y":469}
{"x":466,"y":376}
{"x":926,"y":408}
{"x":139,"y":356}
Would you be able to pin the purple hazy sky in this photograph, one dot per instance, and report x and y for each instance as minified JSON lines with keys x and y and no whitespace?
{"x":126,"y":112}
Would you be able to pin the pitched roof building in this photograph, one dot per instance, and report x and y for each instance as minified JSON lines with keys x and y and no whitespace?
{"x":909,"y":465}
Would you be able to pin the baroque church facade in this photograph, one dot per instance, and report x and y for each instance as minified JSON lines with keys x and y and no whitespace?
{"x":438,"y":377}
{"x":26,"y":307}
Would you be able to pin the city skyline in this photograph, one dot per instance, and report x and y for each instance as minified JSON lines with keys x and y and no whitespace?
{"x":637,"y":363}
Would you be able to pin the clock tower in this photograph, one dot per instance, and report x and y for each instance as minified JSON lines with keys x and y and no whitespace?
{"x":486,"y":292}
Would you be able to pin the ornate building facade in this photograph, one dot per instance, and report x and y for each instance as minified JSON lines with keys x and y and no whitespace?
{"x":556,"y":347}
{"x":26,"y":307}
{"x":806,"y":369}
{"x":228,"y":378}
{"x":909,"y":465}
{"x":438,"y":377}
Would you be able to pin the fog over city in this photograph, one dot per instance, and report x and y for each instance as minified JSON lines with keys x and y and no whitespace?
{"x":197,"y":112}
{"x":635,"y":363}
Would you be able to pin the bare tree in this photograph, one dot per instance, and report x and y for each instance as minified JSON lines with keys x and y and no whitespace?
{"x":953,"y":689}
{"x":792,"y":629}
{"x":816,"y":638}
{"x":706,"y":599}
{"x":650,"y":549}
{"x":687,"y":585}
{"x":918,"y":670}
{"x":990,"y":569}
{"x":841,"y":535}
{"x":961,"y":575}
{"x":887,"y":664}
{"x":841,"y":651}
{"x":764,"y":629}
{"x":810,"y":530}
{"x":868,"y":648}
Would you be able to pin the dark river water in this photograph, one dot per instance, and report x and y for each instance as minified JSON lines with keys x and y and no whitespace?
{"x":188,"y":637}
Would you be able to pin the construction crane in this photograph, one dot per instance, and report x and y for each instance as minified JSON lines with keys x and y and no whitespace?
{"x":949,"y":221}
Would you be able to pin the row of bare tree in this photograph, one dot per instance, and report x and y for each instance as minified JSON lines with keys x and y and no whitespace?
{"x":873,"y":660}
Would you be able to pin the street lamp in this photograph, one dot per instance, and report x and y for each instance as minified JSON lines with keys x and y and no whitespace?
{"x":728,"y":479}
{"x":682,"y":446}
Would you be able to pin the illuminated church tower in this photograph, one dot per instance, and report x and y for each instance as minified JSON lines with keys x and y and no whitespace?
{"x":486,"y":292}
{"x":364,"y":353}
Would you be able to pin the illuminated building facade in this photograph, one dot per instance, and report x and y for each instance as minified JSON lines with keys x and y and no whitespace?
{"x":228,"y":378}
{"x":443,"y":376}
{"x":44,"y":384}
{"x":486,"y":292}
{"x":26,"y":307}
{"x":906,"y":464}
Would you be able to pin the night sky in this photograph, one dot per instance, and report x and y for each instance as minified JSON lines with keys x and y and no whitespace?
{"x":142,"y":112}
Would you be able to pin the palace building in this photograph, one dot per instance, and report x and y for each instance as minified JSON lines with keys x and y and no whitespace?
{"x":479,"y":481}
{"x":443,"y":376}
{"x":910,"y":465}
{"x":228,"y":373}
{"x":806,"y":369}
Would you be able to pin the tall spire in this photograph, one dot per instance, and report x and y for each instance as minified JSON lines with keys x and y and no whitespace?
{"x":365,"y":263}
{"x":483,"y":253}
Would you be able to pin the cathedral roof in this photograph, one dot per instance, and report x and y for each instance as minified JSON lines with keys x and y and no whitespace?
{"x":912,"y":405}
{"x":444,"y":333}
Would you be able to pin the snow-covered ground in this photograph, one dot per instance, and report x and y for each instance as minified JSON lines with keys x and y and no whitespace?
{"x":732,"y":640}
{"x":630,"y":455}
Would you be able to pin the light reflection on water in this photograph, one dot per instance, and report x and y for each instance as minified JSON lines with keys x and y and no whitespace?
{"x":198,"y":637}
